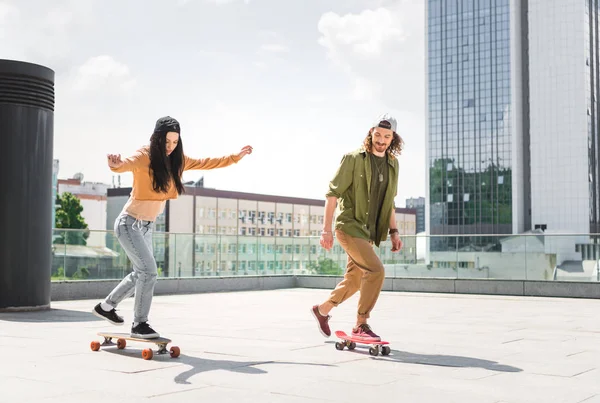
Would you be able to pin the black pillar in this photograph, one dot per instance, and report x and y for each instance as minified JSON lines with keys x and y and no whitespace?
{"x":26,"y":144}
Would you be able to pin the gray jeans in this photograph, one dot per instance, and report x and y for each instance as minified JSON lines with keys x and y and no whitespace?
{"x":135,"y":236}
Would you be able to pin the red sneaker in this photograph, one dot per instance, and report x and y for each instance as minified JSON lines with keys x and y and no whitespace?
{"x":322,"y":320}
{"x":364,"y":332}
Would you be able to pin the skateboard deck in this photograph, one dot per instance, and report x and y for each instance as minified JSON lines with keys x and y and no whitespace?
{"x":350,"y":343}
{"x":147,"y":353}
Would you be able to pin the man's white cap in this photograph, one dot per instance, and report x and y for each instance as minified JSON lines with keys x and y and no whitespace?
{"x":386,"y":121}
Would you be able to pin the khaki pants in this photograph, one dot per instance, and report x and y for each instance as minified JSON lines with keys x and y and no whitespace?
{"x":364,"y":272}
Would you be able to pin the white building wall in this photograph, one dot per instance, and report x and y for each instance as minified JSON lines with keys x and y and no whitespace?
{"x":181,"y":214}
{"x":181,"y":241}
{"x":516,"y":124}
{"x":94,"y":214}
{"x":557,"y":60}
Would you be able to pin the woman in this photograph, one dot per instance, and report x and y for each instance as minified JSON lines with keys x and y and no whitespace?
{"x":157,"y":171}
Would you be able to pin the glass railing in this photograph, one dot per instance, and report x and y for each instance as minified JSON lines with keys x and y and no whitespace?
{"x":89,"y":255}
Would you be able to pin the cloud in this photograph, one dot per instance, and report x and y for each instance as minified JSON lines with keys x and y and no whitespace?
{"x":43,"y":35}
{"x":380,"y":51}
{"x":268,"y":35}
{"x":217,"y":2}
{"x":316,"y":98}
{"x":7,"y":11}
{"x":274,"y":48}
{"x":272,"y":52}
{"x":103,"y":72}
{"x":260,"y":65}
{"x":365,"y":35}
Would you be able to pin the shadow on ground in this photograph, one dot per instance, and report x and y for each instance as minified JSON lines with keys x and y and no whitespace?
{"x":455,"y":361}
{"x":439,"y":360}
{"x":199,"y":365}
{"x":50,"y":315}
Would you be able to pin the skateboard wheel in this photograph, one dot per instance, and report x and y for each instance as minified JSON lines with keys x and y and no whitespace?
{"x":385,"y":350}
{"x":339,"y":346}
{"x":351,"y":345}
{"x":95,"y":345}
{"x":147,"y":354}
{"x":174,"y":351}
{"x":121,"y":343}
{"x":374,"y":351}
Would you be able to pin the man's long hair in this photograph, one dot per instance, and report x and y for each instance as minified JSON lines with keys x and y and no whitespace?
{"x":394,"y":150}
{"x":163,"y":167}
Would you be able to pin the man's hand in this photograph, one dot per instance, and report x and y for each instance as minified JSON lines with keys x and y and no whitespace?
{"x":245,"y":151}
{"x":114,"y":160}
{"x":326,"y":240}
{"x":396,"y":242}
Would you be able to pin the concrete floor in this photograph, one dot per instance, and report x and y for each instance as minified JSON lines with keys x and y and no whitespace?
{"x":263,"y":346}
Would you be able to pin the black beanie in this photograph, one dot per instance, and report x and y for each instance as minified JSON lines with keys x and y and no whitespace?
{"x":167,"y":124}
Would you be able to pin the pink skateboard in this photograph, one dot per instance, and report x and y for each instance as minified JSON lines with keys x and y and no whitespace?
{"x":350,"y":342}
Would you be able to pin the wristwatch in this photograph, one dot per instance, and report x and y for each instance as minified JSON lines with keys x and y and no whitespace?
{"x":393,"y":231}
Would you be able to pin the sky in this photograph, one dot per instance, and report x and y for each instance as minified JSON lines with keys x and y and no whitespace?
{"x":300,"y":81}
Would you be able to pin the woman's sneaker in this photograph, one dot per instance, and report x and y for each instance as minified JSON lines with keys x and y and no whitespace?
{"x":110,"y":316}
{"x":364,"y":332}
{"x":143,"y":331}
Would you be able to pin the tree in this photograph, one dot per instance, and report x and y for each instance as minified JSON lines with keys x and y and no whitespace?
{"x":68,"y":215}
{"x":325,"y":266}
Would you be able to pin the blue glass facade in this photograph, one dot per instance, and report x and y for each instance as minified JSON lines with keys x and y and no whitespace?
{"x":469,"y":106}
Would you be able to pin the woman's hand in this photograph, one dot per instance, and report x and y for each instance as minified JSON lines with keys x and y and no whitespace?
{"x":245,"y":151}
{"x":114,"y":160}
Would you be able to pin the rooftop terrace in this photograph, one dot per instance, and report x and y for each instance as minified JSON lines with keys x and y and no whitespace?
{"x":263,"y":346}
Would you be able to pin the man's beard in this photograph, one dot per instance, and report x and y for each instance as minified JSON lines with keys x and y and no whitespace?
{"x":380,"y":147}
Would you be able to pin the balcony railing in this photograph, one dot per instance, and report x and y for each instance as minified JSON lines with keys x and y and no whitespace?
{"x":87,"y":255}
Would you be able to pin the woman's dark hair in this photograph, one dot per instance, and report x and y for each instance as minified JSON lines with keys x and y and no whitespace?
{"x":163,"y":167}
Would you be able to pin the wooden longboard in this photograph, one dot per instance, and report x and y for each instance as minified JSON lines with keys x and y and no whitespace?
{"x":147,"y":354}
{"x":350,"y":343}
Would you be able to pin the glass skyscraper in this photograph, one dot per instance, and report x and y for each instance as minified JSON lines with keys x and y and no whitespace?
{"x":470,"y":116}
{"x":513,"y":120}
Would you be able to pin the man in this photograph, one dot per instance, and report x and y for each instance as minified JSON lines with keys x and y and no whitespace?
{"x":365,"y":184}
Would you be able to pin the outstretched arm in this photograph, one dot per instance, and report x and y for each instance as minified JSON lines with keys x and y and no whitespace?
{"x":212,"y":163}
{"x":116,"y":164}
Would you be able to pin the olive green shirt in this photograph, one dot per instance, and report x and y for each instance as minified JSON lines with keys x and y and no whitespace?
{"x":379,"y":183}
{"x":351,"y":185}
